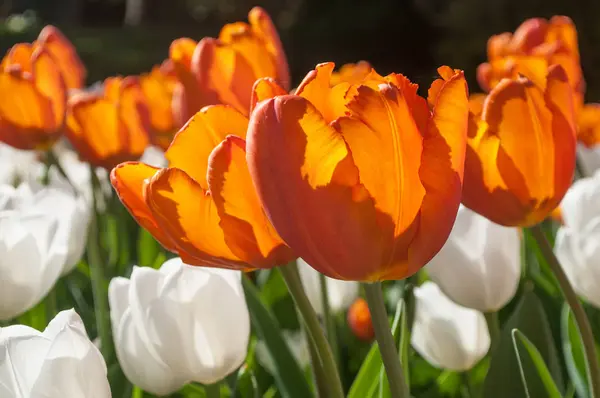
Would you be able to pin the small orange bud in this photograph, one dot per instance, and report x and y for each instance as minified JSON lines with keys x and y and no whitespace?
{"x":359,"y":320}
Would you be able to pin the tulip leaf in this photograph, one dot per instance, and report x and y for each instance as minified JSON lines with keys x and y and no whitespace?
{"x":367,"y":380}
{"x":520,"y":342}
{"x":572,"y":348}
{"x":289,"y":376}
{"x":148,"y":249}
{"x":246,"y":385}
{"x":503,"y":379}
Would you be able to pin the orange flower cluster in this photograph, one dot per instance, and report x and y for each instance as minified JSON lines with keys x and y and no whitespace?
{"x":352,"y":171}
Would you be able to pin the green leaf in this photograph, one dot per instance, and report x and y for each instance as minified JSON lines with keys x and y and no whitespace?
{"x":572,"y":348}
{"x":503,"y":379}
{"x":147,"y":248}
{"x":366,"y":384}
{"x":246,"y":385}
{"x":289,"y":377}
{"x":520,"y":342}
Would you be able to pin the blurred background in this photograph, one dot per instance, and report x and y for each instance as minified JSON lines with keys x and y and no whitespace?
{"x":408,"y":36}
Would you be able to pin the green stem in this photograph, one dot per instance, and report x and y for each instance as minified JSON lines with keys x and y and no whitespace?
{"x":387,"y":347}
{"x":494,"y":328}
{"x":137,"y":392}
{"x":292,"y":279}
{"x":317,"y":368}
{"x":52,"y":160}
{"x":212,"y":390}
{"x":579,"y":167}
{"x":97,"y":276}
{"x":583,"y":324}
{"x":329,"y":319}
{"x":406,"y":321}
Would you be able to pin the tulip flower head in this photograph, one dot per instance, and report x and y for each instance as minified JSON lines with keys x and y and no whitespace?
{"x":588,"y":123}
{"x":340,"y":294}
{"x":359,"y":320}
{"x":32,"y":116}
{"x":479,"y":267}
{"x":158,"y":87}
{"x":65,"y":55}
{"x":362,"y":198}
{"x":535,"y":45}
{"x":111,"y":125}
{"x":59,"y":362}
{"x":203,"y":206}
{"x":179,"y":324}
{"x":223,"y":70}
{"x":577,"y":243}
{"x":446,"y":334}
{"x":520,"y":158}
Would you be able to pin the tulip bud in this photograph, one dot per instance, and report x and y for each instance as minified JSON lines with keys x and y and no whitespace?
{"x":169,"y":330}
{"x":446,"y":334}
{"x":33,"y":246}
{"x":57,"y":363}
{"x":479,"y":266}
{"x":340,"y":294}
{"x":577,"y":244}
{"x":359,"y":320}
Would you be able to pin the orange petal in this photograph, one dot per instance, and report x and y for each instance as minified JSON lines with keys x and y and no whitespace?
{"x":188,"y":215}
{"x":529,"y":35}
{"x":158,"y":87}
{"x":247,"y":230}
{"x":264,"y":88}
{"x":65,"y":56}
{"x":499,"y":45}
{"x":330,"y":101}
{"x":588,"y":123}
{"x":133,"y":113}
{"x":310,"y":189}
{"x":129,"y":181}
{"x":221,"y":69}
{"x":441,"y":170}
{"x":193,"y":144}
{"x":263,"y":25}
{"x":382,"y":124}
{"x":50,"y":84}
{"x":351,"y":73}
{"x":18,"y":58}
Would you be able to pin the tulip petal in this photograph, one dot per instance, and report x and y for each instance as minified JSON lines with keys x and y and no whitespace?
{"x":193,"y":144}
{"x":382,"y":123}
{"x":158,"y":87}
{"x":330,"y":101}
{"x":263,"y":25}
{"x":222,"y":69}
{"x":588,"y":123}
{"x":50,"y":84}
{"x":188,"y":214}
{"x":247,"y":229}
{"x":64,"y":54}
{"x":129,"y":180}
{"x":133,"y":112}
{"x":264,"y":88}
{"x":441,"y":170}
{"x":310,"y":188}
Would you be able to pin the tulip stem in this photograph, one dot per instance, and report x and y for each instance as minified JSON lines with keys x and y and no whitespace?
{"x":493,"y":325}
{"x":97,"y":276}
{"x":328,"y":318}
{"x":385,"y":339}
{"x":313,"y":327}
{"x":212,"y":390}
{"x":583,"y":324}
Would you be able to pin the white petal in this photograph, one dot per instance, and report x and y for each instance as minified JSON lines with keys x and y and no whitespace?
{"x":445,"y":334}
{"x":154,"y":156}
{"x":118,"y":299}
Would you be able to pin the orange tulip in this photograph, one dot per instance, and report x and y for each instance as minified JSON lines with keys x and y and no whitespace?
{"x":588,"y":123}
{"x":351,"y":73}
{"x":521,"y":149}
{"x":223,"y":70}
{"x":535,"y":45}
{"x":203,"y":206}
{"x":158,"y":87}
{"x":374,"y":194}
{"x":32,"y":110}
{"x":359,"y":320}
{"x":72,"y":69}
{"x":109,"y":126}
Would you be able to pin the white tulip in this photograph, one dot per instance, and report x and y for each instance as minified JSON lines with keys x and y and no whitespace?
{"x":446,"y":334}
{"x":479,"y":266}
{"x":154,"y":156}
{"x":33,"y":250}
{"x":341,"y":294}
{"x":296,"y":342}
{"x":577,"y":244}
{"x":16,"y":165}
{"x":589,"y":157}
{"x":61,"y":362}
{"x":179,"y":324}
